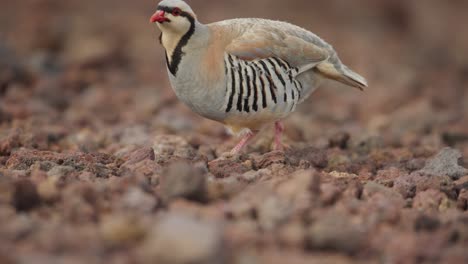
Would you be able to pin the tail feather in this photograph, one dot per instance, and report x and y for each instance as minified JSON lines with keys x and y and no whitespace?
{"x":343,"y":75}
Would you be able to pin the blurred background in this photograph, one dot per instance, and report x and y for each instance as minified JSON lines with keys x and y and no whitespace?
{"x":93,"y":65}
{"x":83,"y":77}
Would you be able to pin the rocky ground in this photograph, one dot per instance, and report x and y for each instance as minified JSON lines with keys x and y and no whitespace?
{"x":100,"y":163}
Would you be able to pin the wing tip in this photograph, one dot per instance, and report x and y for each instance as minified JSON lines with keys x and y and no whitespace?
{"x":354,"y":79}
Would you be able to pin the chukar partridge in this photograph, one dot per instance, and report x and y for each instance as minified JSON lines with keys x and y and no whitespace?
{"x":245,"y":73}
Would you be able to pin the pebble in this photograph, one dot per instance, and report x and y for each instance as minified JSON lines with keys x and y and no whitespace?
{"x":445,"y":163}
{"x":120,"y":230}
{"x":179,"y":239}
{"x":57,"y":173}
{"x":135,"y":199}
{"x":334,"y":231}
{"x":183,"y":180}
{"x":25,"y":196}
{"x":222,"y":168}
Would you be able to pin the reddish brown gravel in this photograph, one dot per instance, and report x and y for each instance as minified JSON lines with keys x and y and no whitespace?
{"x":100,"y":163}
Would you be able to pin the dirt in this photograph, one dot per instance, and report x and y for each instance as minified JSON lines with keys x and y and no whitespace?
{"x":100,"y":163}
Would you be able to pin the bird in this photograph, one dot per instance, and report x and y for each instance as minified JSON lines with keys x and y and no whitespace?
{"x":245,"y":73}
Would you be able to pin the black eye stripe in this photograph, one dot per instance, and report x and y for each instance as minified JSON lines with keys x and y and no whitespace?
{"x":178,"y":53}
{"x":170,"y":9}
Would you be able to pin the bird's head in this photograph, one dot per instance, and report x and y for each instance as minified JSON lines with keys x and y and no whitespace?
{"x":174,"y":16}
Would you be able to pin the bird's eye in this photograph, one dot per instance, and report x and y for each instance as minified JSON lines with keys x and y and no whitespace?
{"x":176,"y":12}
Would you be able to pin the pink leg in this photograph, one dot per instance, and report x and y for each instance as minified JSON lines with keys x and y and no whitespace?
{"x":279,"y":128}
{"x":245,"y":139}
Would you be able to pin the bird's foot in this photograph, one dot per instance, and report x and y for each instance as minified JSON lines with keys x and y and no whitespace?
{"x":244,"y":141}
{"x":278,"y":145}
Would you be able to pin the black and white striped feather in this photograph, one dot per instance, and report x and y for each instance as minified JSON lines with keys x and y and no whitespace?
{"x":262,"y":84}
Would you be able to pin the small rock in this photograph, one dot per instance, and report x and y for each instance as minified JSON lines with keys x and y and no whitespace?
{"x":338,"y":162}
{"x":223,"y":188}
{"x":167,"y":147}
{"x":415,"y":164}
{"x":222,"y":168}
{"x":57,"y":173}
{"x":135,"y":199}
{"x":431,"y":200}
{"x":45,"y":165}
{"x":462,"y":183}
{"x":314,"y":156}
{"x":146,"y":167}
{"x":445,"y":163}
{"x":6,"y":190}
{"x":452,"y":139}
{"x":342,"y":175}
{"x":178,"y":239}
{"x":334,"y":231}
{"x":292,"y":234}
{"x":48,"y":190}
{"x":7,"y":258}
{"x":329,"y":193}
{"x":139,"y":155}
{"x":387,"y":176}
{"x":354,"y":191}
{"x":252,"y":176}
{"x":120,"y":230}
{"x":300,"y":191}
{"x":462,"y":202}
{"x":372,"y":188}
{"x":366,"y":143}
{"x":25,"y":196}
{"x":382,"y":204}
{"x":339,"y":140}
{"x":383,"y":208}
{"x":406,"y":187}
{"x":9,"y":143}
{"x":409,"y":185}
{"x":425,"y":222}
{"x":456,"y":254}
{"x":182,"y":179}
{"x":270,"y":158}
{"x":272,"y":211}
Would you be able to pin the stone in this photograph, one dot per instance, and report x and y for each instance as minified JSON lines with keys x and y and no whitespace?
{"x":334,"y":231}
{"x":252,"y":176}
{"x":316,"y":157}
{"x":445,"y":163}
{"x":57,"y":173}
{"x":462,"y":202}
{"x":339,"y":140}
{"x":135,"y":199}
{"x":167,"y":147}
{"x":25,"y":196}
{"x":121,"y":230}
{"x":222,"y":168}
{"x":343,"y":175}
{"x":139,"y":155}
{"x":431,"y":201}
{"x":179,"y":239}
{"x":183,"y":180}
{"x":271,"y":158}
{"x":372,"y":188}
{"x":48,"y":190}
{"x":426,"y":222}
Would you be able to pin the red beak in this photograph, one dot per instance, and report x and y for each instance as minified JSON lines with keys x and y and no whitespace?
{"x":159,"y":17}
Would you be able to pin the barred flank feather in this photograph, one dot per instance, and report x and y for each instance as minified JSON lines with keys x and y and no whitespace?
{"x":274,"y":78}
